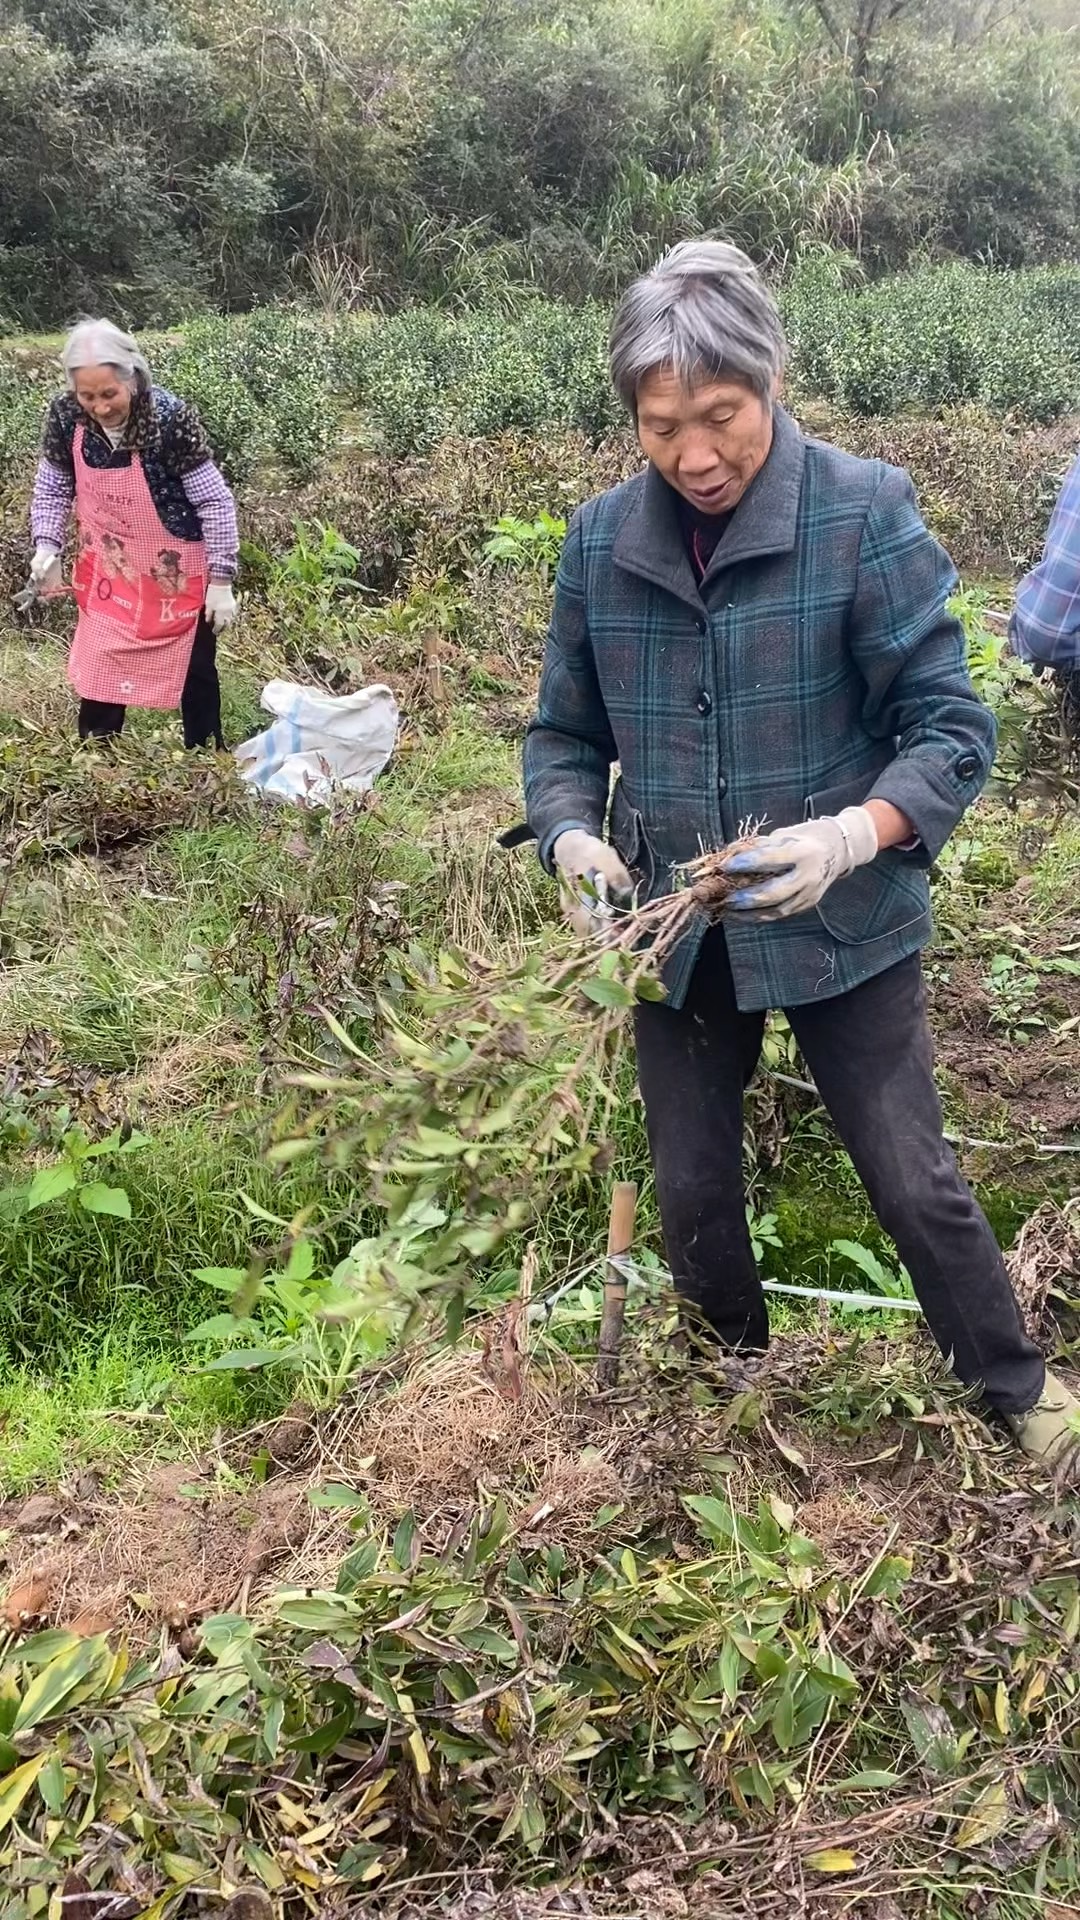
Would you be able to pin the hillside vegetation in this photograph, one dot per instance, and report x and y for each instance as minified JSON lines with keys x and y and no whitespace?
{"x":160,"y":158}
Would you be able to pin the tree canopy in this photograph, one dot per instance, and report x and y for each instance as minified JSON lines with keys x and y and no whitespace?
{"x":162,"y":158}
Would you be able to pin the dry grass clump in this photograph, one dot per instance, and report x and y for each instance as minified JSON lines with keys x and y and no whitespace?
{"x":450,"y":1434}
{"x":178,"y":1542}
{"x":846,"y":1526}
{"x":1047,"y":1252}
{"x":170,"y":1548}
{"x":448,"y":1431}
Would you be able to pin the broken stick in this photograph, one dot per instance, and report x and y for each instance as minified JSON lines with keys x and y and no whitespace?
{"x":620,"y":1241}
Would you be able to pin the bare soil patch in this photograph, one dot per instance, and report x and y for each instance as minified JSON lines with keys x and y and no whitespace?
{"x":1028,"y":1081}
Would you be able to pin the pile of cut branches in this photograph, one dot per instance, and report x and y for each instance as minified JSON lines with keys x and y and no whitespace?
{"x":751,"y":1699}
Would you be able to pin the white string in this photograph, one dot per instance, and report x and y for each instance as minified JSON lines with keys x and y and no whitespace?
{"x":848,"y":1299}
{"x":626,"y":1266}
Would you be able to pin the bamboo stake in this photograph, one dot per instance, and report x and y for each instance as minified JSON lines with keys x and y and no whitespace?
{"x":432,"y":646}
{"x":620,"y":1241}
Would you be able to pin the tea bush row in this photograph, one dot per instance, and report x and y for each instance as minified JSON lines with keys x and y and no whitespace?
{"x":916,"y":344}
{"x":1009,"y":342}
{"x":284,"y":386}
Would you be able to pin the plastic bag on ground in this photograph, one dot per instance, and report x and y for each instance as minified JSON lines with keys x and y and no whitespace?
{"x":319,"y":741}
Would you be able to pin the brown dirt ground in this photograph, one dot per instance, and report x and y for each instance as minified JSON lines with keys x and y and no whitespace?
{"x":1023,"y":1081}
{"x":1033,"y":1083}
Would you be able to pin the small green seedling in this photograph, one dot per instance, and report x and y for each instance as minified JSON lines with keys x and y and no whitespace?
{"x":70,"y":1178}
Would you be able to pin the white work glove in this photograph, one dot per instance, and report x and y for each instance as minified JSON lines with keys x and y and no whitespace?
{"x":591,"y":877}
{"x":221,"y":605}
{"x":791,"y":869}
{"x":45,"y":570}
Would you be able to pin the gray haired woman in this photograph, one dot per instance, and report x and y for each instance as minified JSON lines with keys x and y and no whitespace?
{"x":756,"y":628}
{"x":135,"y":463}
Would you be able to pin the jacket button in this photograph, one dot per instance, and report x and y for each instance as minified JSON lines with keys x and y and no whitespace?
{"x":721,"y":787}
{"x":702,"y":625}
{"x":704,"y":701}
{"x":968,"y":767}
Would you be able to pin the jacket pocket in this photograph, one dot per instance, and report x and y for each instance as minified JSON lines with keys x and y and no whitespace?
{"x":888,"y":897}
{"x":626,"y":831}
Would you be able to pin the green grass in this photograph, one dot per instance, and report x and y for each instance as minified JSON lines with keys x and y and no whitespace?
{"x":113,"y":1399}
{"x":155,"y":978}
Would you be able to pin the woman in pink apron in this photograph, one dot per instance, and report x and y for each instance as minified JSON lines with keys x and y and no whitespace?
{"x":157,"y":553}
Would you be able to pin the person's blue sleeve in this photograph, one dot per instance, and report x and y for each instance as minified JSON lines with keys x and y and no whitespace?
{"x":1045,"y":627}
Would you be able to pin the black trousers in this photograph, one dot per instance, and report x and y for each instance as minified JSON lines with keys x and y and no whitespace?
{"x":200,"y":701}
{"x":871,"y":1056}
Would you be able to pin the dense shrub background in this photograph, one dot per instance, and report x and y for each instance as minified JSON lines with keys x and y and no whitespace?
{"x":169,"y":156}
{"x":286,"y":386}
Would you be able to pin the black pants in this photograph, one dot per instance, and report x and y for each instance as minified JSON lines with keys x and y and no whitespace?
{"x":200,"y":701}
{"x":871,"y":1057}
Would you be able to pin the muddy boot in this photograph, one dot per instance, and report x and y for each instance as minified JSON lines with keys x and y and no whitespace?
{"x":1049,"y":1428}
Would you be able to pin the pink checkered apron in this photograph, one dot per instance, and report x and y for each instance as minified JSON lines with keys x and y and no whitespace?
{"x":139,"y":589}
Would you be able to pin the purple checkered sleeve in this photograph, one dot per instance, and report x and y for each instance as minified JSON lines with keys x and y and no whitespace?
{"x":209,"y":495}
{"x":50,"y":506}
{"x":1045,"y":626}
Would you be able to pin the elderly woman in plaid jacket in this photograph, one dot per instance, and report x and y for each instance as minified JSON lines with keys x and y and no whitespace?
{"x":157,"y":548}
{"x":755,"y":628}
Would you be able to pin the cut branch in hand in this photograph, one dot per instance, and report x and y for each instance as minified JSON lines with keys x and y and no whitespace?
{"x":487,"y":1094}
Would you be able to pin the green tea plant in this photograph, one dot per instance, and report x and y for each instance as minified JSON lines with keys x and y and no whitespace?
{"x":320,"y":556}
{"x":303,"y":426}
{"x":204,"y":373}
{"x":937,"y":338}
{"x":527,"y":545}
{"x":262,"y":382}
{"x":314,"y":596}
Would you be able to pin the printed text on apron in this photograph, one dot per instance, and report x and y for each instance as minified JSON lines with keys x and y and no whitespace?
{"x":139,"y":590}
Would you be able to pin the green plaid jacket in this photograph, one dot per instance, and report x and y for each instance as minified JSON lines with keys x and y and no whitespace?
{"x":814,"y":668}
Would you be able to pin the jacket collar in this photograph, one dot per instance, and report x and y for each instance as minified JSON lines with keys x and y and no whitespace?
{"x":650,"y":541}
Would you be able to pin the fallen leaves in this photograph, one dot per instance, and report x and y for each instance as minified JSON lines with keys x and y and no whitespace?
{"x":832,"y":1860}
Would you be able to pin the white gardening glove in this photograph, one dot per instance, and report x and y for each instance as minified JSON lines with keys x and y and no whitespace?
{"x":221,"y":605}
{"x":791,"y":869}
{"x":590,"y":876}
{"x":45,"y":570}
